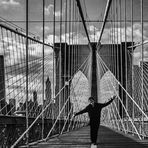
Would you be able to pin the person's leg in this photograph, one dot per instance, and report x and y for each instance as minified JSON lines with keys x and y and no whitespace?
{"x":94,"y":132}
{"x":91,"y":133}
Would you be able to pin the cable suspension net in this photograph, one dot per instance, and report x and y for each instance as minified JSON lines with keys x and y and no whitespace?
{"x":122,"y":60}
{"x":41,"y":78}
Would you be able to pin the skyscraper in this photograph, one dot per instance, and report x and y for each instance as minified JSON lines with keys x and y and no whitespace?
{"x":34,"y":104}
{"x":2,"y":86}
{"x":48,"y":89}
{"x":48,"y":112}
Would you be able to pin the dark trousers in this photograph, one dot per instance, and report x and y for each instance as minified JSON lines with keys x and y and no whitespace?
{"x":94,"y":127}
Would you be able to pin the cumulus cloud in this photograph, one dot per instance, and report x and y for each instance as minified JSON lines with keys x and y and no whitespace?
{"x":93,"y":35}
{"x":70,"y":38}
{"x":92,"y":28}
{"x":49,"y":9}
{"x":46,"y":28}
{"x":118,"y":34}
{"x":50,"y":37}
{"x":57,"y":13}
{"x":7,"y":3}
{"x":15,"y":55}
{"x":138,"y":54}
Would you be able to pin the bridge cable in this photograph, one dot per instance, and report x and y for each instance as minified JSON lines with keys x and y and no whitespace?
{"x":83,"y":21}
{"x":121,"y":100}
{"x":18,"y":140}
{"x":123,"y":88}
{"x":63,"y":107}
{"x":104,"y":20}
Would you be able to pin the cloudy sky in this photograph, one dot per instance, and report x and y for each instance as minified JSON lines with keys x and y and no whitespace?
{"x":15,"y":11}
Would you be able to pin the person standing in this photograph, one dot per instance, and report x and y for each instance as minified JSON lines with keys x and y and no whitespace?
{"x":94,"y":112}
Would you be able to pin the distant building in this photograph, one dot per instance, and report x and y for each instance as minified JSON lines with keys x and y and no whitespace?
{"x":48,"y":89}
{"x":35,"y":104}
{"x":34,"y":96}
{"x":12,"y":103}
{"x":2,"y":87}
{"x":48,"y":112}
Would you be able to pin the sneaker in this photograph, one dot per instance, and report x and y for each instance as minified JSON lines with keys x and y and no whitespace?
{"x":93,"y":145}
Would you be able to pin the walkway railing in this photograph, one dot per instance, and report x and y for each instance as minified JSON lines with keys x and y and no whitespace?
{"x":35,"y":95}
{"x":37,"y":85}
{"x":118,"y":116}
{"x":124,"y":72}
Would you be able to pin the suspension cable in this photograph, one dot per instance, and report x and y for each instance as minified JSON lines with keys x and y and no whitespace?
{"x":104,"y":20}
{"x":123,"y":88}
{"x":83,"y":21}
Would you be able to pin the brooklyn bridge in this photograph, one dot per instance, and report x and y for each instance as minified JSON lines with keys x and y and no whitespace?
{"x":55,"y":54}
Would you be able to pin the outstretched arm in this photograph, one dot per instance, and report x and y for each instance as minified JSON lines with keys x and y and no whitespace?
{"x":106,"y":104}
{"x":82,"y":111}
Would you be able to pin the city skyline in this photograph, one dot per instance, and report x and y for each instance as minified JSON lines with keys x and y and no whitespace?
{"x":9,"y":10}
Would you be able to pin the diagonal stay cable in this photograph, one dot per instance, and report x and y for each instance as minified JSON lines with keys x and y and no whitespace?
{"x":104,"y":20}
{"x":103,"y":67}
{"x":123,"y":105}
{"x":124,"y":89}
{"x":46,"y":107}
{"x":61,"y":111}
{"x":83,"y":21}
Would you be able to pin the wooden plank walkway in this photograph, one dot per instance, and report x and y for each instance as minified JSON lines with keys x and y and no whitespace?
{"x":107,"y":138}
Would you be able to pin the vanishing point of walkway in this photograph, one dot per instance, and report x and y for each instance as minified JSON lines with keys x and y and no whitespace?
{"x":107,"y":138}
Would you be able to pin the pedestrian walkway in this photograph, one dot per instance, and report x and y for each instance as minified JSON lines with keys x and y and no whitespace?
{"x":107,"y":138}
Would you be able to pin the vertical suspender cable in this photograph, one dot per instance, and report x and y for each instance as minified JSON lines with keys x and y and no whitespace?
{"x":75,"y":40}
{"x":72,"y":38}
{"x":27,"y":124}
{"x":121,"y":58}
{"x":83,"y":21}
{"x":78,"y":25}
{"x":117,"y":42}
{"x":112,"y":37}
{"x":104,"y":20}
{"x":69,"y":51}
{"x":133,"y":116}
{"x":142,"y":50}
{"x":65,"y":59}
{"x":60,"y":60}
{"x":72,"y":47}
{"x":43,"y":68}
{"x":118,"y":48}
{"x":125,"y":52}
{"x":94,"y":34}
{"x":53,"y":89}
{"x":115,"y":37}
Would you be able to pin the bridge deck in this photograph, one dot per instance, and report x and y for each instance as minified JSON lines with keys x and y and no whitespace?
{"x":107,"y":138}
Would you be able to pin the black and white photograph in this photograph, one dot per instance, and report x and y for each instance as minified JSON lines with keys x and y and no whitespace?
{"x":73,"y":73}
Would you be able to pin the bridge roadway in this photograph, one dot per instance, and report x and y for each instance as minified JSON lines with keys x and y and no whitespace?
{"x":107,"y":138}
